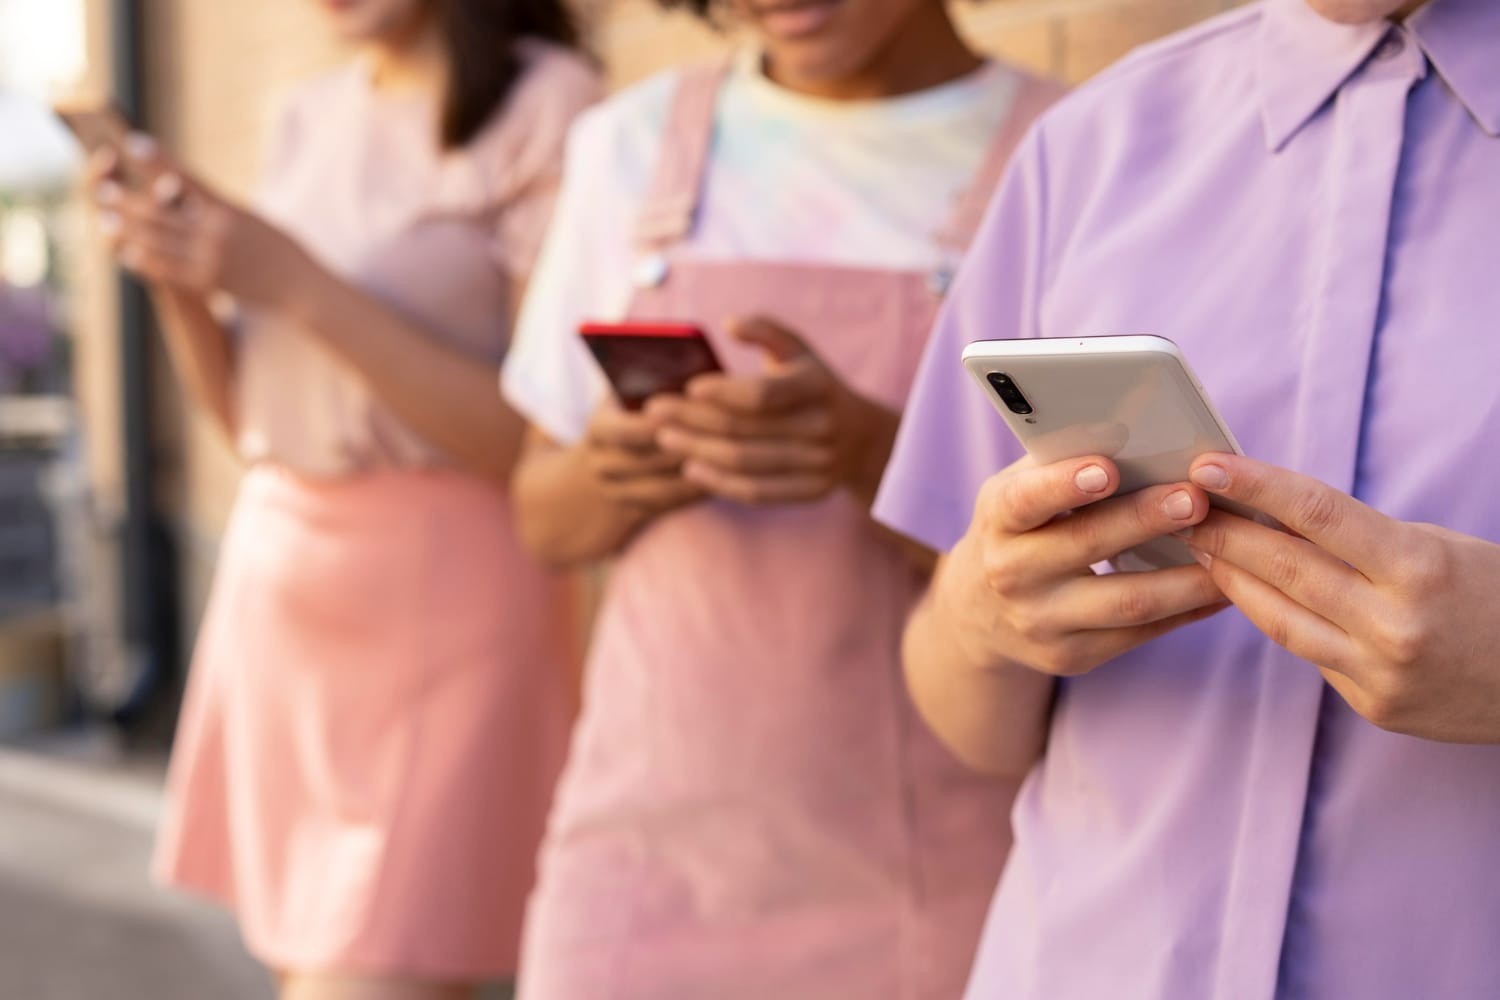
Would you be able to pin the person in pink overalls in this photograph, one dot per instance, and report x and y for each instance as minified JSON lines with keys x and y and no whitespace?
{"x":752,"y":807}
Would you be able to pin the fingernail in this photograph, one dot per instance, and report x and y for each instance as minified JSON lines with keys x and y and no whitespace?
{"x":109,"y":223}
{"x":167,"y":189}
{"x":1211,"y":477}
{"x":1204,"y":559}
{"x":1178,"y":505}
{"x":140,"y":146}
{"x":1091,"y":479}
{"x":108,"y":193}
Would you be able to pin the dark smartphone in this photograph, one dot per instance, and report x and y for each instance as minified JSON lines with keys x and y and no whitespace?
{"x":642,"y":360}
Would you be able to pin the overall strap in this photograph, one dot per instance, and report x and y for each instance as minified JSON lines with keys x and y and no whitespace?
{"x":1034,"y":95}
{"x":667,"y":215}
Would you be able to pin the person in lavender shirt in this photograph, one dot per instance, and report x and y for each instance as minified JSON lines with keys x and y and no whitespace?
{"x":1271,"y":775}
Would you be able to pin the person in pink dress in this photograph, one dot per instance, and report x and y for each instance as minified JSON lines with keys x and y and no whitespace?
{"x":752,"y":808}
{"x":380,"y":701}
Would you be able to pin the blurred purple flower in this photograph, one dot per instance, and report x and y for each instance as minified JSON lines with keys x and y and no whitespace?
{"x":25,"y":329}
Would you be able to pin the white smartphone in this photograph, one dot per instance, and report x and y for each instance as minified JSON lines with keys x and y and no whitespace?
{"x":1131,"y":399}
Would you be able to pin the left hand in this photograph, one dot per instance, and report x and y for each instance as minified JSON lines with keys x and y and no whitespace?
{"x":792,"y":435}
{"x":1399,"y":617}
{"x":180,"y":234}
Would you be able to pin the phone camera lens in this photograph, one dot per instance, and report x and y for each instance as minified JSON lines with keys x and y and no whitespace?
{"x":1010,"y":395}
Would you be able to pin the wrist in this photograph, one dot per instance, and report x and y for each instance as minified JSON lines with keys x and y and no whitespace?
{"x":872,"y":435}
{"x":301,"y":293}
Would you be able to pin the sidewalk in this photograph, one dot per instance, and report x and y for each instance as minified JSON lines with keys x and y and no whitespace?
{"x":79,"y":919}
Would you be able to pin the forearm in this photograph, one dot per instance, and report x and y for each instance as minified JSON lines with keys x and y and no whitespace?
{"x":563,"y":516}
{"x":449,"y":398}
{"x":875,"y":452}
{"x":993,"y":716}
{"x":201,"y":351}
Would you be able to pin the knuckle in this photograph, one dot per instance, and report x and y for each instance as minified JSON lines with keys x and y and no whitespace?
{"x":1086,"y":532}
{"x":1403,"y":639}
{"x":1427,"y":565}
{"x":1384,"y":701}
{"x":1135,"y":605}
{"x":1283,"y":567}
{"x":1278,"y":629}
{"x":1001,"y":570}
{"x":1317,"y":512}
{"x":1064,"y":659}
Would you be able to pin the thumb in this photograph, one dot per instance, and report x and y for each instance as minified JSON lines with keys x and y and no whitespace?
{"x":776,"y":340}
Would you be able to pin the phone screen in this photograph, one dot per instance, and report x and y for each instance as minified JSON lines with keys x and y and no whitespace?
{"x":643,"y":360}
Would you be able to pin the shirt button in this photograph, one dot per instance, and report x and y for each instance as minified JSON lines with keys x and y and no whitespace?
{"x":651,"y":271}
{"x":1390,"y":48}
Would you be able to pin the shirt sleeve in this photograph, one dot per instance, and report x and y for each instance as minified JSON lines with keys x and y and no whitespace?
{"x":951,"y":439}
{"x":559,"y":89}
{"x":549,"y":375}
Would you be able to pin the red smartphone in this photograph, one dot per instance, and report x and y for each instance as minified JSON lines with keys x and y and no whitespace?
{"x":642,"y":360}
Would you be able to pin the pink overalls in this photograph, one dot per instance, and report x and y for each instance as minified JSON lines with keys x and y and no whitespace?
{"x":752,"y":807}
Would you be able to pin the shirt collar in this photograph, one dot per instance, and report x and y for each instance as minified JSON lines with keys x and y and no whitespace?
{"x":1303,"y":59}
{"x":1462,"y":40}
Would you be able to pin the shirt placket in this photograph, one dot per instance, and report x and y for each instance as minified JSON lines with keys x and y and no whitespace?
{"x":1337,"y":341}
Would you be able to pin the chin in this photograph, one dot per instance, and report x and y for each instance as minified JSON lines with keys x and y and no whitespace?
{"x":812,"y":60}
{"x":1355,"y":11}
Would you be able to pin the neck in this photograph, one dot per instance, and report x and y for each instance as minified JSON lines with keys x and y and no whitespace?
{"x":926,"y":52}
{"x":414,"y":59}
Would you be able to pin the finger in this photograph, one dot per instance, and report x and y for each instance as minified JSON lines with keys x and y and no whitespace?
{"x":1285,"y":622}
{"x":1296,"y":567}
{"x":103,"y":164}
{"x":1334,"y":521}
{"x":618,"y":429}
{"x":778,"y":341}
{"x":1025,"y":496}
{"x":755,"y":490}
{"x":1127,"y":600}
{"x":1103,"y":645}
{"x":800,"y":383}
{"x":1069,"y":545}
{"x":813,"y":423}
{"x":618,"y":464}
{"x":152,"y":265}
{"x":138,"y":208}
{"x":735,"y":455}
{"x":654,"y":492}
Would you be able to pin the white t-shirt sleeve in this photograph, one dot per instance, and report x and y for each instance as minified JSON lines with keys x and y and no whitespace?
{"x":951,"y":439}
{"x":581,"y":274}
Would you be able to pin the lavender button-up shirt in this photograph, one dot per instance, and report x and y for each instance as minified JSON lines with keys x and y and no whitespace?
{"x":1312,"y":211}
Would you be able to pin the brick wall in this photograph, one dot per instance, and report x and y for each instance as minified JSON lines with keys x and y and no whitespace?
{"x":216,"y":70}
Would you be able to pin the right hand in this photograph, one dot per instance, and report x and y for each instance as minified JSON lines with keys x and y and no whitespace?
{"x":1017,"y":587}
{"x":620,"y":450}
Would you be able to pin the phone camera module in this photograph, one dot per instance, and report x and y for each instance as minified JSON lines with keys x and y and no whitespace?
{"x":1013,"y":398}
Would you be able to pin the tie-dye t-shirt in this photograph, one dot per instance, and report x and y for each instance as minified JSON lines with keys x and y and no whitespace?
{"x":792,"y":178}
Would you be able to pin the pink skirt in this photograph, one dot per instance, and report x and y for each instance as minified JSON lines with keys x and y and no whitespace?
{"x":378,"y":711}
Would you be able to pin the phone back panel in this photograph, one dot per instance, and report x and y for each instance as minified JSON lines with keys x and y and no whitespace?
{"x":1138,"y":405}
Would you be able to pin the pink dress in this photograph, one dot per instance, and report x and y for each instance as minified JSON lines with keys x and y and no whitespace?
{"x":753,"y":808}
{"x":381,"y":696}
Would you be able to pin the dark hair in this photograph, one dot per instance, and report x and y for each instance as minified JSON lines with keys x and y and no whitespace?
{"x":700,"y":8}
{"x":484,"y":65}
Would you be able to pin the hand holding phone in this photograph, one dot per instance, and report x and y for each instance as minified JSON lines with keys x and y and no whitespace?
{"x":642,"y":360}
{"x":1131,"y":399}
{"x":1017,"y":589}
